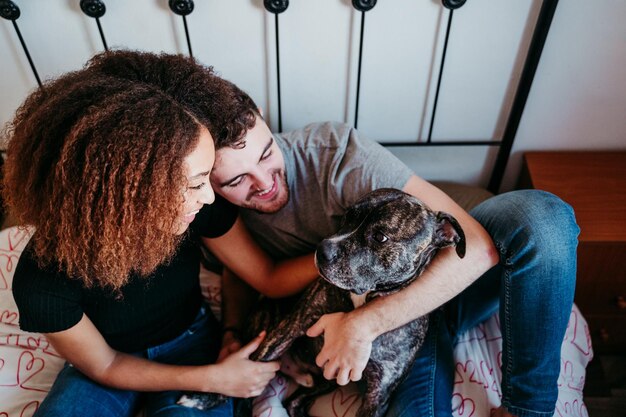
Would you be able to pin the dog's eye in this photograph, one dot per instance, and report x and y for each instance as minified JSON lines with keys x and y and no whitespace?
{"x":380,"y":237}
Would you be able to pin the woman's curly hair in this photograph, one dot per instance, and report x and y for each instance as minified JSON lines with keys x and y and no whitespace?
{"x":227,"y":110}
{"x":95,"y":163}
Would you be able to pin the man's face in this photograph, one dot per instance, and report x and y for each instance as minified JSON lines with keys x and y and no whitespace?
{"x":252,"y":177}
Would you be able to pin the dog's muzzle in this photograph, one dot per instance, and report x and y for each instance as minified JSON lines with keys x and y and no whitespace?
{"x":332,"y":268}
{"x":326,"y":252}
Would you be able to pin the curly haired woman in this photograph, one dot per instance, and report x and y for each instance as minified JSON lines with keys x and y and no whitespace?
{"x":113,"y":173}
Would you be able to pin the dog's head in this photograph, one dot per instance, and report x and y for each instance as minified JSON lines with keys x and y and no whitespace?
{"x":386,"y":240}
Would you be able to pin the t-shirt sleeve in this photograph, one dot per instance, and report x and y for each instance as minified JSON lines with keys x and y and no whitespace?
{"x":214,"y":220}
{"x":47,"y":301}
{"x":361,"y":165}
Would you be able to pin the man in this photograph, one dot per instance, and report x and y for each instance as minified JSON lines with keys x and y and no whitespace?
{"x":293,"y":189}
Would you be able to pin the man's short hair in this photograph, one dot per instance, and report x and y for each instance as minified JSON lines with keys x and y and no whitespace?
{"x":226,"y":110}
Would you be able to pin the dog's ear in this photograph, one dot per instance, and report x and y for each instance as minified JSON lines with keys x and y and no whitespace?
{"x":449,"y":232}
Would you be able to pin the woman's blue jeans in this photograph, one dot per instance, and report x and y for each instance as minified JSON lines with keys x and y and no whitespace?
{"x":533,"y":286}
{"x":75,"y":395}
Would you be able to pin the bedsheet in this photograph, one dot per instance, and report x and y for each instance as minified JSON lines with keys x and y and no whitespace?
{"x":28,"y":364}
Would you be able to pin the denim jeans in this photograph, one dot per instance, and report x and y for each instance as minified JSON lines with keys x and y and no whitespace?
{"x":73,"y":394}
{"x":532,"y":287}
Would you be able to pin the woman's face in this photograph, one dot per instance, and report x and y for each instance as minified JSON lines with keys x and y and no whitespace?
{"x":198,"y":191}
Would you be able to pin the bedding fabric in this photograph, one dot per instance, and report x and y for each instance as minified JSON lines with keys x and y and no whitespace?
{"x":29,"y":365}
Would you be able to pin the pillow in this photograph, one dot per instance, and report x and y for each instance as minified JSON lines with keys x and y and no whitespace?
{"x":28,"y":364}
{"x":466,"y":196}
{"x":478,"y":356}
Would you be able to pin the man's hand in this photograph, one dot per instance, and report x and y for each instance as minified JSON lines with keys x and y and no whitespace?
{"x":347,"y":346}
{"x":241,"y":377}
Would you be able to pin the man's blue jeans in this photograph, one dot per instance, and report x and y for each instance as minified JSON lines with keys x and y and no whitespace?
{"x":75,"y":395}
{"x":533,"y":286}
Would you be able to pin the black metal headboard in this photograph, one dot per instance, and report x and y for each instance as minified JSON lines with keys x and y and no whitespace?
{"x":96,"y":9}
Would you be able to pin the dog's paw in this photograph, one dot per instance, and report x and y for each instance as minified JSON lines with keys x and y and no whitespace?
{"x":296,"y":371}
{"x":201,"y":401}
{"x":191,"y":401}
{"x":306,"y":380}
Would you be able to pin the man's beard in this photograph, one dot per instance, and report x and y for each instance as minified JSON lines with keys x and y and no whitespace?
{"x":280,"y":200}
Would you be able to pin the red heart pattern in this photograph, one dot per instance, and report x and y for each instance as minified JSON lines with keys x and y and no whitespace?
{"x":29,"y":366}
{"x":344,"y":404}
{"x":8,"y":317}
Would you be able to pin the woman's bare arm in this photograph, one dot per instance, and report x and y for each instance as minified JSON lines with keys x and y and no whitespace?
{"x":84,"y":347}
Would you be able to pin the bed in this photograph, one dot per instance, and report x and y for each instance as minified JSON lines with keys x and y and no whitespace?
{"x":28,"y":364}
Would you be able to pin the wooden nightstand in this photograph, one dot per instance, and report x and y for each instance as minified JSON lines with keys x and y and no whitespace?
{"x":594,"y":184}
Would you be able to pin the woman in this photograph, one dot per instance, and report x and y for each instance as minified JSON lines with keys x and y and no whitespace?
{"x":113,"y":175}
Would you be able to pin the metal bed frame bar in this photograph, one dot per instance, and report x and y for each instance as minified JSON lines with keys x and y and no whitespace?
{"x":96,"y":9}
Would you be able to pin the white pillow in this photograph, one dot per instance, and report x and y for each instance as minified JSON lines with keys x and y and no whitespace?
{"x":28,"y":364}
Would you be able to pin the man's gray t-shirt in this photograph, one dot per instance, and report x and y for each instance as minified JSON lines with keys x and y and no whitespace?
{"x":328,"y":167}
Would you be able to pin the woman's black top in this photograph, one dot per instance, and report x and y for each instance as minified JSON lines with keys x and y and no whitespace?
{"x":150,"y":311}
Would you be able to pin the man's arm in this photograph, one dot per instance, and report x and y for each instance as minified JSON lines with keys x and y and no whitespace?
{"x":239,"y":252}
{"x":238,"y":299}
{"x":348,"y":337}
{"x":84,"y":347}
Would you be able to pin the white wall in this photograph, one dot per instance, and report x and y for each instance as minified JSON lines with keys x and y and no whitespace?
{"x":578,"y":99}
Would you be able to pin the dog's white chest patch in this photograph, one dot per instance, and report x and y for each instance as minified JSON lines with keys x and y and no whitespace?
{"x":358,"y":300}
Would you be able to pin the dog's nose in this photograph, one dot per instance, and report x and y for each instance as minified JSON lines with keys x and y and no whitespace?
{"x":326,"y":252}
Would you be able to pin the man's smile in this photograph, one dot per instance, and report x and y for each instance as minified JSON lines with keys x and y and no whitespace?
{"x":269,"y":192}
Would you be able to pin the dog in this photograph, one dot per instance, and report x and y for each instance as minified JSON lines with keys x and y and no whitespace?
{"x":385,"y":242}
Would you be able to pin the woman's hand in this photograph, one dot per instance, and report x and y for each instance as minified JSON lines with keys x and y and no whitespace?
{"x":241,"y":377}
{"x":230,"y":345}
{"x":84,"y":347}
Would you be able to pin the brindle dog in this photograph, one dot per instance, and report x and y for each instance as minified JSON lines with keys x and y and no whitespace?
{"x":385,"y":242}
